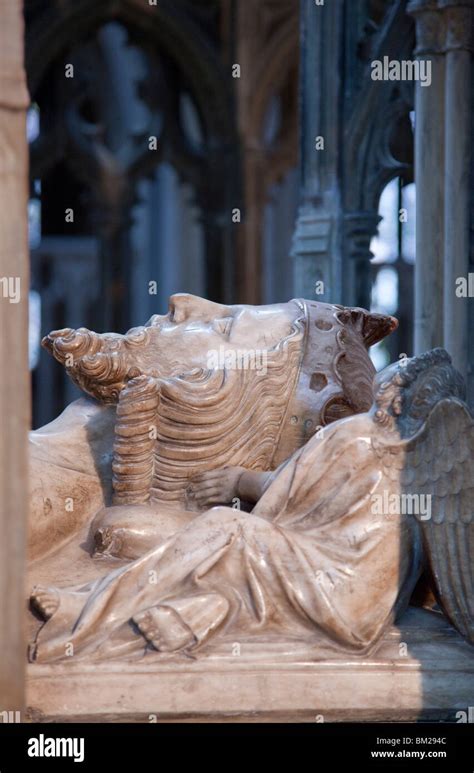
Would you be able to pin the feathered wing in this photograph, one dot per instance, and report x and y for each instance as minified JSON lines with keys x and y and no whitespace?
{"x":439,"y":461}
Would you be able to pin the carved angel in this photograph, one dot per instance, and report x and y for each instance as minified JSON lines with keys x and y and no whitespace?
{"x":318,"y":558}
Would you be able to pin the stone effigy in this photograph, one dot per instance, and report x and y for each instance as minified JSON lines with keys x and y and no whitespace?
{"x":191,"y":413}
{"x":352,"y":489}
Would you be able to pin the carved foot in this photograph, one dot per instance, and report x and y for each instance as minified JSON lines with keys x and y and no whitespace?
{"x":164,"y":629}
{"x":45,"y":601}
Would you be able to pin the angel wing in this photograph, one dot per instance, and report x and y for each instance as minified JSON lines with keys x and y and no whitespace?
{"x":438,"y":462}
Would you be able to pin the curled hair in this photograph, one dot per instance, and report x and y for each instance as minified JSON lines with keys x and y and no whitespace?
{"x":405,"y":400}
{"x":98,"y":364}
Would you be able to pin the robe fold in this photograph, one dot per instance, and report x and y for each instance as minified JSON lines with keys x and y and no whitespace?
{"x":311,"y":560}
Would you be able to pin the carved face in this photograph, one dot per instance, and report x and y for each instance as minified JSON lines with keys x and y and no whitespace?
{"x":316,"y":369}
{"x":193,"y":333}
{"x":406,"y":391}
{"x":194,"y":326}
{"x":197,"y":334}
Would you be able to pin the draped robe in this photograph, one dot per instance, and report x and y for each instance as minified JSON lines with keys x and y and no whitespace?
{"x":312,"y":560}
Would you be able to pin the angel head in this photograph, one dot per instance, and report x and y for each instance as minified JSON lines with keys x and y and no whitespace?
{"x":406,"y":391}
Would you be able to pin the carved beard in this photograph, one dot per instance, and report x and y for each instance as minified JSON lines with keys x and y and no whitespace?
{"x":101,"y":365}
{"x":203,"y":421}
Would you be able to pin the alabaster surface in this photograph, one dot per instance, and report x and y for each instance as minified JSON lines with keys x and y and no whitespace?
{"x":235,"y":479}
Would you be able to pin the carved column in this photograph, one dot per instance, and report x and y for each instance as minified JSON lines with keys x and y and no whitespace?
{"x":316,"y":248}
{"x":443,"y":154}
{"x":359,"y":228}
{"x":14,"y":389}
{"x":429,"y":165}
{"x":458,"y":46}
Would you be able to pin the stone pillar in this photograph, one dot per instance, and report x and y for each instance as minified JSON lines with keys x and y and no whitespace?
{"x":359,"y":228}
{"x":14,"y":387}
{"x":429,"y":165}
{"x":317,"y":240}
{"x":444,"y":184}
{"x":458,"y":110}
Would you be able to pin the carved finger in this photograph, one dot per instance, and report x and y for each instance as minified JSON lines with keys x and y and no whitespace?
{"x":207,"y":476}
{"x":210,"y":496}
{"x":201,"y":488}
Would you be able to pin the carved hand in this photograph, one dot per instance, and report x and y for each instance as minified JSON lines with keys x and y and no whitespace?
{"x":221,"y":486}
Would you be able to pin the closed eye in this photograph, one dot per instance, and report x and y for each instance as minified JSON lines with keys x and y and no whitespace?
{"x":223,"y":326}
{"x":176,"y":314}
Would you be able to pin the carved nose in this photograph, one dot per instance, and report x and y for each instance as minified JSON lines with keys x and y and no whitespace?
{"x":185,"y":306}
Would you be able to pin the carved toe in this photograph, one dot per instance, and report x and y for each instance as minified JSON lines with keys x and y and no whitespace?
{"x":45,"y":601}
